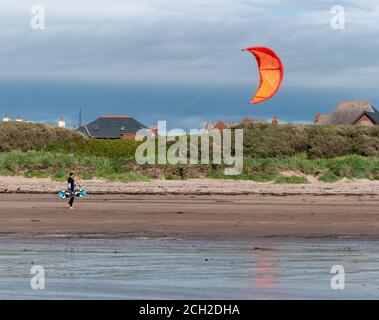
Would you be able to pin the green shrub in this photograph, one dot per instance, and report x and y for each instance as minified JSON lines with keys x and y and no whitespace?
{"x":28,"y":136}
{"x":36,"y":174}
{"x":260,"y":141}
{"x":265,"y":140}
{"x":291,"y":179}
{"x":170,"y":176}
{"x":112,"y":148}
{"x":329,"y":177}
{"x":315,"y":141}
{"x":60,"y":176}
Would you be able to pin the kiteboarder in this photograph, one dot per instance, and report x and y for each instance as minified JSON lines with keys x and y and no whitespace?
{"x":71,"y":192}
{"x":71,"y":189}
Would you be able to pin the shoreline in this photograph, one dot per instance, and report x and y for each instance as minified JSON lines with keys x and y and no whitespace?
{"x":22,"y":185}
{"x":114,"y":237}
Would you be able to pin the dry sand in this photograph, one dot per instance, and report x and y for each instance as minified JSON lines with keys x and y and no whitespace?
{"x":227,"y":217}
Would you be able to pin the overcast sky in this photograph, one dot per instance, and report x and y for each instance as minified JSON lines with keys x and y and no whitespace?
{"x":181,"y":60}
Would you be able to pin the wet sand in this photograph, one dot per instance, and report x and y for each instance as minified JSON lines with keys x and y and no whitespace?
{"x":191,"y":217}
{"x":150,"y":269}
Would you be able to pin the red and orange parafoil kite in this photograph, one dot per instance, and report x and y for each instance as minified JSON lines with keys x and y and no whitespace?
{"x":271,"y":73}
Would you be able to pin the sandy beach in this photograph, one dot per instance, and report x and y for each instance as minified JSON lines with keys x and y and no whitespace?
{"x":194,"y":239}
{"x":226,"y":217}
{"x":193,"y":187}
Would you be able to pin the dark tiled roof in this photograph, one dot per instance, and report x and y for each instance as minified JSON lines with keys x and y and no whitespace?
{"x":347,"y":113}
{"x":111,"y":127}
{"x":374,"y":116}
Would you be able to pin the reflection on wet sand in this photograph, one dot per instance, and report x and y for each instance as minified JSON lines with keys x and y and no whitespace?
{"x":265,"y":270}
{"x":146,"y":269}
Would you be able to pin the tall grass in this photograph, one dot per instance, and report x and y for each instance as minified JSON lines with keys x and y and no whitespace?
{"x":57,"y":165}
{"x":264,"y":140}
{"x":327,"y":170}
{"x":28,"y":136}
{"x":328,"y":152}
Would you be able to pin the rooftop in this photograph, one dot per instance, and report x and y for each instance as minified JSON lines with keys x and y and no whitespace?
{"x":112,"y":127}
{"x":347,"y":112}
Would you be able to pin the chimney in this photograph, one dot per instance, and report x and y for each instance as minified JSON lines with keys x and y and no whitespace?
{"x":19,"y":119}
{"x":154,"y":130}
{"x":317,"y":117}
{"x":61,"y":123}
{"x":274,"y":120}
{"x":6,"y":118}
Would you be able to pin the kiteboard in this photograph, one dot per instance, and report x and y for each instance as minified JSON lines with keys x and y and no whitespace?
{"x":80,"y":193}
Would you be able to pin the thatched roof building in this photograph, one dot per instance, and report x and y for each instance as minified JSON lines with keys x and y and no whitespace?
{"x":350,"y":113}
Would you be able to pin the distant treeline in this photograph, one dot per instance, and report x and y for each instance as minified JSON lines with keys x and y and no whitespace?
{"x":260,"y":141}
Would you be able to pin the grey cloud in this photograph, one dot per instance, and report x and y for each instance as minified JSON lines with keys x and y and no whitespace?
{"x":190,"y":42}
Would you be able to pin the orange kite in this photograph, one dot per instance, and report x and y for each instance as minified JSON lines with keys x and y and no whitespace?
{"x":271,"y":73}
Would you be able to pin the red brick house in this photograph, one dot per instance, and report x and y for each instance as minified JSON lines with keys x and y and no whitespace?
{"x":221,"y":125}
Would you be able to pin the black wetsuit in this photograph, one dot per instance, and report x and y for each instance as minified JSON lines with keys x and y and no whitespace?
{"x":71,"y":189}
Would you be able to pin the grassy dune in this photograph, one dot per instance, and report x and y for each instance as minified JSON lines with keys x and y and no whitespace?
{"x":271,"y":153}
{"x":56,"y":165}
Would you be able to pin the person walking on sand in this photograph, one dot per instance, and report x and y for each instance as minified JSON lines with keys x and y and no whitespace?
{"x":71,"y":189}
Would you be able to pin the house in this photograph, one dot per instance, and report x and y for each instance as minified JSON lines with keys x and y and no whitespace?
{"x":6,"y":118}
{"x":112,"y":127}
{"x":61,"y":123}
{"x":248,"y":121}
{"x":19,"y":119}
{"x":350,"y":113}
{"x":221,"y":125}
